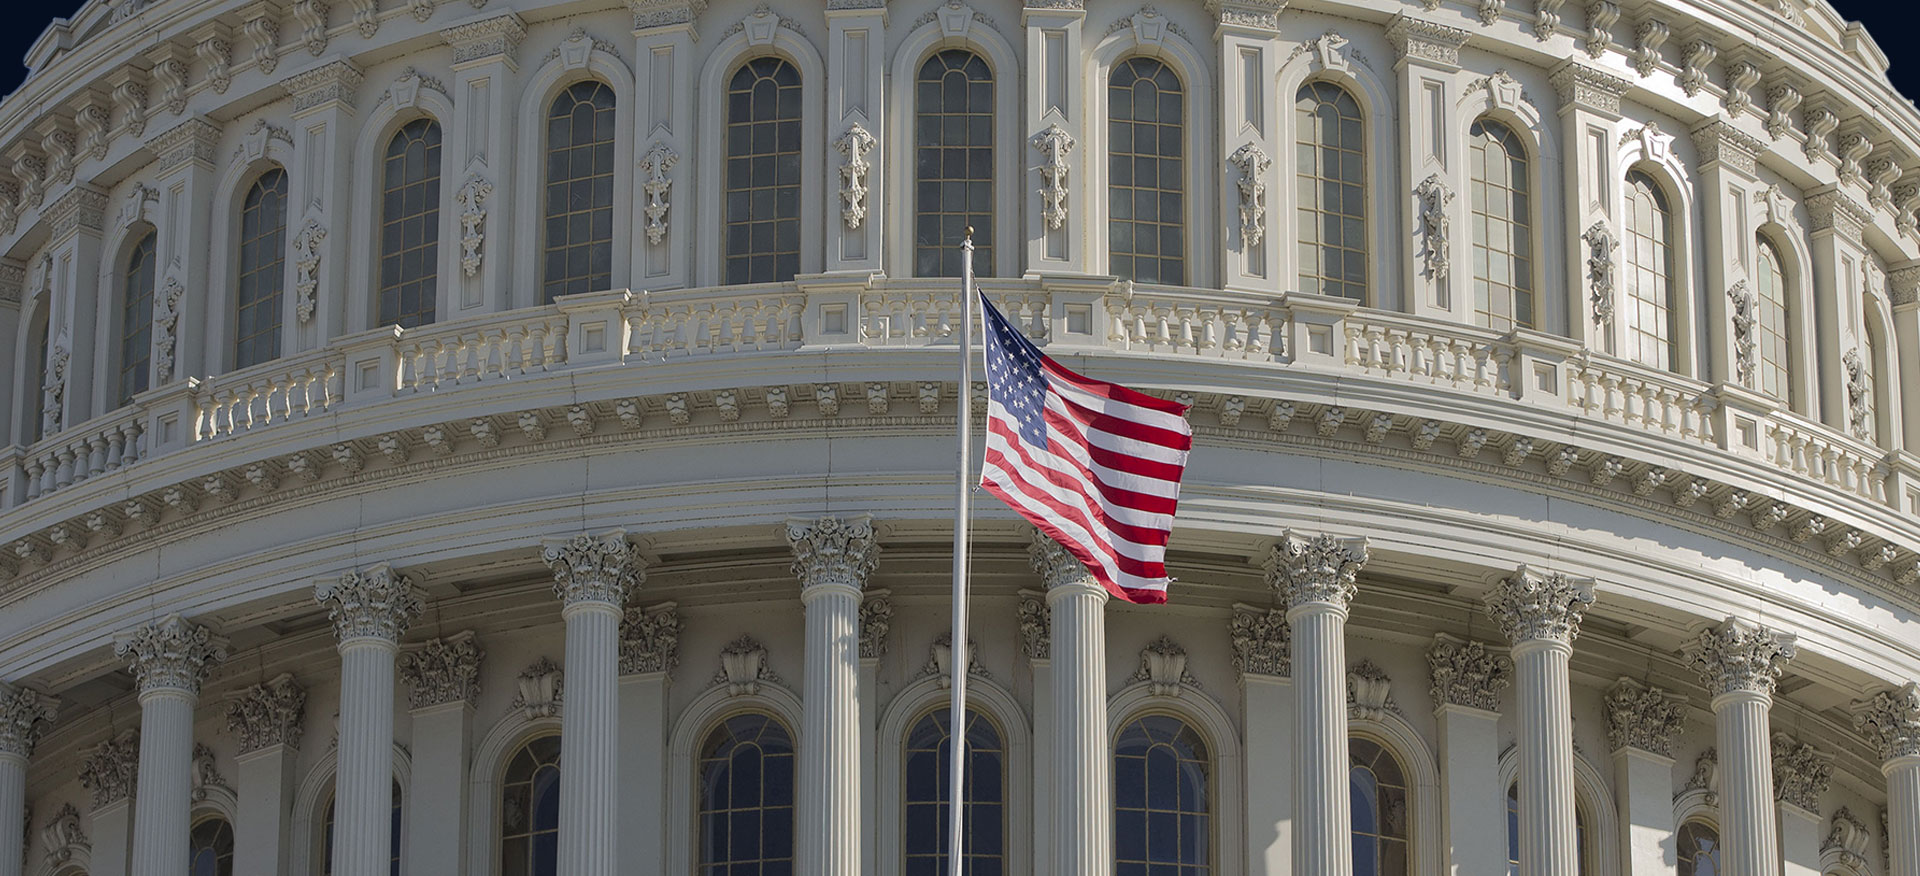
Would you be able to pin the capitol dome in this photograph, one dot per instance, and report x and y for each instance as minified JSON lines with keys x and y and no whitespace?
{"x":516,"y":438}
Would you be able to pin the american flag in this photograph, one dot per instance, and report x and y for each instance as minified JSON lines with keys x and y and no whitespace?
{"x":1094,"y":465}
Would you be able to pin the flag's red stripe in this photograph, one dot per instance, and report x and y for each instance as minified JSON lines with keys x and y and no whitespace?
{"x":1080,"y":552}
{"x":1110,"y":390}
{"x":1084,"y":517}
{"x":1124,"y":462}
{"x":1034,"y":500}
{"x":1125,"y":428}
{"x":1078,"y":479}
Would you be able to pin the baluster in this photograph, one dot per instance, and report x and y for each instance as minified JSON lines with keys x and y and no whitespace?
{"x":1503,"y":370}
{"x":135,"y":434}
{"x":63,"y":472}
{"x":49,"y":472}
{"x":97,"y":457}
{"x":34,"y":470}
{"x":117,"y":449}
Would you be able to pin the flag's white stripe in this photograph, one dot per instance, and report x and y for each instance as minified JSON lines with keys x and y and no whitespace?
{"x":1112,"y":477}
{"x":1123,"y":409}
{"x":1077,"y":500}
{"x":1074,"y":531}
{"x":1087,"y":491}
{"x":1120,"y":444}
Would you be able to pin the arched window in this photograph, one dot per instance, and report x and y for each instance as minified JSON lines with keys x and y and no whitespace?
{"x":1146,"y":160}
{"x":1699,"y":847}
{"x":410,"y":225}
{"x":579,"y":195}
{"x":1773,"y":334}
{"x":136,"y":319}
{"x":1650,"y":273}
{"x":393,"y":845}
{"x":1583,"y":847}
{"x":763,"y":172}
{"x":953,"y":163}
{"x":746,"y":798}
{"x":1379,"y":787}
{"x":210,"y":848}
{"x":530,"y":809}
{"x":1162,"y":820}
{"x":1330,"y":171}
{"x":1502,"y":228}
{"x":263,"y":255}
{"x":928,"y":790}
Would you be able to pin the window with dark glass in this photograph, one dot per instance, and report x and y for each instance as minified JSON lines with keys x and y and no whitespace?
{"x":1502,"y":227}
{"x":210,"y":848}
{"x":1330,"y":171}
{"x":578,"y":249}
{"x":410,"y":225}
{"x":1379,"y":792}
{"x":953,"y":163}
{"x":1162,"y":823}
{"x":136,"y":319}
{"x":1869,"y":361}
{"x":1699,"y":848}
{"x":1146,"y":163}
{"x":393,"y":844}
{"x":1650,"y":273}
{"x":746,"y":776}
{"x":929,"y":787}
{"x":263,"y":255}
{"x":530,"y":810}
{"x":763,"y":172}
{"x":1581,"y":847}
{"x":1773,"y":333}
{"x":36,"y":395}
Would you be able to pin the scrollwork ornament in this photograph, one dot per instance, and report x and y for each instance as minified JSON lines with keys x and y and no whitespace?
{"x":1847,"y":840}
{"x":62,"y":838}
{"x":472,"y":201}
{"x":1465,"y":673}
{"x":1859,"y":404}
{"x":833,"y":550}
{"x":1533,"y":605}
{"x":171,"y":653}
{"x":1642,"y":717}
{"x":1746,"y":322}
{"x":166,"y":315}
{"x":600,"y":568}
{"x":306,"y":267}
{"x":24,"y":715}
{"x":1053,"y":143}
{"x":1890,"y":720}
{"x":542,"y":689}
{"x":1315,"y":568}
{"x":375,"y":603}
{"x":1036,"y":625}
{"x":1163,"y":666}
{"x":650,"y":639}
{"x":876,"y":620}
{"x":1262,"y":641}
{"x":443,"y":670}
{"x":1738,"y":656}
{"x":268,"y":714}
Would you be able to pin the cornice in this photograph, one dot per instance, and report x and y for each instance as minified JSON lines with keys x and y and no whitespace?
{"x":81,"y":208}
{"x":1720,"y":141}
{"x":484,"y":39}
{"x":191,"y":141}
{"x":650,"y":14}
{"x":330,"y":84}
{"x":1423,"y":40}
{"x":1584,"y":85}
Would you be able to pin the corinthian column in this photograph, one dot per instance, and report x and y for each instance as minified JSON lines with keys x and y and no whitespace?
{"x":1540,"y":612}
{"x":1082,"y":830}
{"x":832,"y":558}
{"x":1739,"y":662}
{"x":169,"y":657}
{"x":593,"y":575}
{"x":1891,"y":721}
{"x":22,"y":714}
{"x":370,"y":609}
{"x":1314,"y":574}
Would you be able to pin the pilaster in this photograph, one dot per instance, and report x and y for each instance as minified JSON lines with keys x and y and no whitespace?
{"x":664,"y":35}
{"x":1837,"y":224}
{"x":1428,"y":59}
{"x":1263,"y":658}
{"x":1245,"y":38}
{"x":649,"y":651}
{"x":1801,"y":774}
{"x":1903,"y":292}
{"x":856,"y":120}
{"x":74,"y":222}
{"x":109,"y":774}
{"x":169,"y":658}
{"x":1740,"y":662}
{"x":1727,"y":185}
{"x":1081,"y":798}
{"x":1540,"y":612}
{"x":1036,"y":642}
{"x":267,"y":717}
{"x":1642,"y":722}
{"x":1589,"y":110}
{"x":832,"y":558}
{"x":1467,"y":681}
{"x":443,"y":680}
{"x":479,"y":153}
{"x":1058,"y":199}
{"x":319,"y":191}
{"x":370,"y":609}
{"x":184,"y":156}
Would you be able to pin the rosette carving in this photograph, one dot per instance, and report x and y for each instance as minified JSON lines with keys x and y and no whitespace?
{"x":833,"y":550}
{"x":1741,"y":656}
{"x":1891,"y":721}
{"x":374,"y":603}
{"x":1531,"y":605}
{"x":1465,"y":673}
{"x":268,"y":714}
{"x":171,"y":653}
{"x":1307,"y":569}
{"x":443,"y":670}
{"x":650,"y":639}
{"x":24,"y":714}
{"x":1262,"y":641}
{"x":600,"y":568}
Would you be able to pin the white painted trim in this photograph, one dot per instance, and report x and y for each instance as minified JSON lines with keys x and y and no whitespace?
{"x":1688,"y":306}
{"x":1543,"y":166}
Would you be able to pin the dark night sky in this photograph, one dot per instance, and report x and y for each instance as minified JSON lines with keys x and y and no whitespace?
{"x":1884,"y":19}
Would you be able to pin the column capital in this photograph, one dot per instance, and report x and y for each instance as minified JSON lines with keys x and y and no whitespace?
{"x":327,"y":85}
{"x":371,"y":603}
{"x":1465,"y":673}
{"x":111,"y":768}
{"x":191,"y":142}
{"x":442,"y":670}
{"x":1426,"y":41}
{"x":1532,"y":605}
{"x":496,"y":36}
{"x":1262,"y":641}
{"x":876,"y":620}
{"x":1903,"y":283}
{"x":1801,"y":772}
{"x":602,"y":568}
{"x":1588,"y":87}
{"x":833,"y":550}
{"x":1260,"y":17}
{"x":1309,"y":568}
{"x":1738,"y":656}
{"x":171,"y":653}
{"x":24,"y":714}
{"x":1036,"y":625}
{"x":1056,"y":566}
{"x":82,"y":208}
{"x":1643,"y":717}
{"x":650,"y":639}
{"x":268,"y":714}
{"x":1721,"y":142}
{"x":1891,"y":721}
{"x":1829,"y":208}
{"x":649,"y":14}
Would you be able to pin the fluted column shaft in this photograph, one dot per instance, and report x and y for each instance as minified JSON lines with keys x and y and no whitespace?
{"x":593,"y":575}
{"x":1082,"y":764}
{"x":1740,"y":663}
{"x":832,"y":558}
{"x":1903,"y":815}
{"x":1322,"y":799}
{"x":169,"y":658}
{"x":370,"y":610}
{"x":13,"y":810}
{"x":1548,"y":835}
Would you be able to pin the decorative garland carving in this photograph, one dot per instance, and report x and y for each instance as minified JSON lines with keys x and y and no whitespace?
{"x":1253,"y":163}
{"x":306,"y":266}
{"x":1054,"y":143}
{"x":1600,"y":246}
{"x":472,"y":201}
{"x":1432,"y":198}
{"x":854,"y":144}
{"x":657,"y":186}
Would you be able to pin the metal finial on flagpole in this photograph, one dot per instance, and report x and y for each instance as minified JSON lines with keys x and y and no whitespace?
{"x":961,"y":653}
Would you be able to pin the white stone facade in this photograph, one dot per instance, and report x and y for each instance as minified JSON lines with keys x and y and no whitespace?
{"x":1641,"y":551}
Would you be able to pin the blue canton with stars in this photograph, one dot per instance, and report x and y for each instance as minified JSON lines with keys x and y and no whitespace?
{"x":1014,"y":378}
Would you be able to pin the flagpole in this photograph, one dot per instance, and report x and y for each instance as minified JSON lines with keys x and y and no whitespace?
{"x":961,"y":654}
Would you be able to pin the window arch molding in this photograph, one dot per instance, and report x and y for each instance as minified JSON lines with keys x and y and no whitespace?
{"x":689,"y":730}
{"x":78,"y":862}
{"x":1423,"y":776}
{"x":310,"y":798}
{"x":230,"y":195}
{"x":725,"y":59}
{"x":119,"y":245}
{"x":997,"y":703}
{"x":383,"y":122}
{"x":491,"y":757}
{"x":1196,"y":76}
{"x":1891,"y":419}
{"x":1538,"y":140}
{"x":1201,"y":712}
{"x":1376,"y":100}
{"x":1593,"y":794}
{"x":1797,"y":267}
{"x":542,"y":86}
{"x":955,"y":28}
{"x":36,"y":327}
{"x":1676,"y":185}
